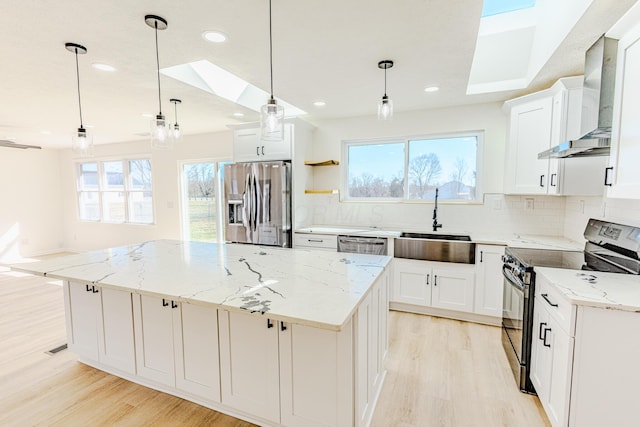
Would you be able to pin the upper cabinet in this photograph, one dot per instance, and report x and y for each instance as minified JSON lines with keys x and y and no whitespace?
{"x":623,"y":174}
{"x":537,"y":122}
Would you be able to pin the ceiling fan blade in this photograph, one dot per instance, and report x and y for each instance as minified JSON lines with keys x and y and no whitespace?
{"x":11,"y":144}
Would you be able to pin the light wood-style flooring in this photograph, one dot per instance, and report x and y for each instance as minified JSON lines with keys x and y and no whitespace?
{"x":440,"y":373}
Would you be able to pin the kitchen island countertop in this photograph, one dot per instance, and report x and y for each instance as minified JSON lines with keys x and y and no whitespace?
{"x":321,"y":289}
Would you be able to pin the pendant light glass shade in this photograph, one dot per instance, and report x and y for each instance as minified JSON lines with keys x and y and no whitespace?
{"x":272,"y":121}
{"x":271,"y":114}
{"x":175,"y":133}
{"x":82,"y":141}
{"x":160,"y":132}
{"x":385,"y":106}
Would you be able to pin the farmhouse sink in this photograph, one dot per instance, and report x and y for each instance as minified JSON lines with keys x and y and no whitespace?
{"x":435,"y":247}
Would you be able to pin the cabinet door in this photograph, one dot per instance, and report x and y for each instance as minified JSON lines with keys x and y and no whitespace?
{"x":529,"y":134}
{"x":453,"y":288}
{"x":561,"y":357}
{"x":249,"y":369}
{"x":540,"y":357}
{"x":625,"y":138}
{"x":83,"y":313}
{"x":280,"y":150}
{"x":316,"y":382}
{"x":154,"y":338}
{"x":489,"y":281}
{"x":115,"y":326}
{"x":411,"y":282}
{"x":195,"y":329}
{"x":246,"y":145}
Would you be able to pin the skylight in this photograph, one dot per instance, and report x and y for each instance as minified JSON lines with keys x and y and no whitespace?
{"x":496,"y":7}
{"x":220,"y":82}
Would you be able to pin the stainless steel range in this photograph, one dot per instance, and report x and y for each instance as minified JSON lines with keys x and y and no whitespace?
{"x":610,"y":247}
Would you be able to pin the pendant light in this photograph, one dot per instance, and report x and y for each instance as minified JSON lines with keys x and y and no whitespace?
{"x":271,"y":114}
{"x":160,"y":137}
{"x":385,"y":106}
{"x":82,"y":141}
{"x":176,"y":133}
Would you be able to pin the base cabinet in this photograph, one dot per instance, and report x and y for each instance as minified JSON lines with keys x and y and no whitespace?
{"x":433,"y":284}
{"x":489,"y":282}
{"x":177,"y":345}
{"x":100,"y":325}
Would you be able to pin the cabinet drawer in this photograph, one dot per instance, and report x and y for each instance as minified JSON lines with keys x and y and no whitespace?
{"x":323,"y":241}
{"x":556,"y":304}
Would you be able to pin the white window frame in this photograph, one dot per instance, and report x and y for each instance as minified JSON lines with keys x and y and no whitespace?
{"x":344,"y":180}
{"x":101,"y":188}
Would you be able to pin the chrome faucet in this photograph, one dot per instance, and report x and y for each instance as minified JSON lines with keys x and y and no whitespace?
{"x":435,"y":214}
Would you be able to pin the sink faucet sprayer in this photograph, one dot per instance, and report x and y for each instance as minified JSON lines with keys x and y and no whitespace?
{"x":435,"y":214}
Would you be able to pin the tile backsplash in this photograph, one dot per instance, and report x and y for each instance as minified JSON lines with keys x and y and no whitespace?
{"x":578,"y":210}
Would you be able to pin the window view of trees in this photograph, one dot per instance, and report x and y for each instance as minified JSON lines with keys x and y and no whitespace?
{"x":200,"y":203}
{"x":381,"y":170}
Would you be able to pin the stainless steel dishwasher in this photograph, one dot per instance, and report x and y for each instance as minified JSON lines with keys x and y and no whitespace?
{"x":362,"y":245}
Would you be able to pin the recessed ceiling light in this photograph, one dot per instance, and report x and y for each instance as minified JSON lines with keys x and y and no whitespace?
{"x":147,"y":115}
{"x":238,"y":114}
{"x":319,"y":103}
{"x":89,"y":126}
{"x":431,"y":89}
{"x":214,"y":36}
{"x":103,"y":67}
{"x":45,"y":132}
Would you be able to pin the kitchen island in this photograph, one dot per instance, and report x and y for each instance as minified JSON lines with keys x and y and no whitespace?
{"x":273,"y":336}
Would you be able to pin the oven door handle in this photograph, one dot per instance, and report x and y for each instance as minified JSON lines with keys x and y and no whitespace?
{"x":512,"y":279}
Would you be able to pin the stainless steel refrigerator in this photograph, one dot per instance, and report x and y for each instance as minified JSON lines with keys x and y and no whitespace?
{"x":258,"y":203}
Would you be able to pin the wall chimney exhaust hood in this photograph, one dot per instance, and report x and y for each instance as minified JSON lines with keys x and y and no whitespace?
{"x":597,"y":104}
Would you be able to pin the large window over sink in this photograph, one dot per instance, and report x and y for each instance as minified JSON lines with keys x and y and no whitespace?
{"x":411,"y":169}
{"x":115,"y":191}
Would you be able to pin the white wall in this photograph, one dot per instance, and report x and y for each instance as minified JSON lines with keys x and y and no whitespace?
{"x":498,"y":214}
{"x":30,"y":203}
{"x":82,"y":236}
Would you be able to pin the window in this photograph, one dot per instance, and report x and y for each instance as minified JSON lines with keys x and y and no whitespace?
{"x":411,"y":169}
{"x":117,"y":191}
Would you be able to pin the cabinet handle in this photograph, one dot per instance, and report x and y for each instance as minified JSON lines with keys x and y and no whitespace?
{"x":552,"y":183}
{"x":269,"y":324}
{"x":94,"y":290}
{"x":87,"y":289}
{"x":544,"y":338}
{"x":427,"y":279}
{"x":540,"y":330}
{"x":606,"y":176}
{"x":435,"y":280}
{"x":257,"y":150}
{"x":315,"y":240}
{"x":165,"y":303}
{"x":481,"y":252}
{"x":282,"y":326}
{"x":174,"y":304}
{"x":541,"y":180}
{"x":263,"y":150}
{"x":545,"y":296}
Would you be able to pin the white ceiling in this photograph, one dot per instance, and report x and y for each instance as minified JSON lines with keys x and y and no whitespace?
{"x":323,"y":50}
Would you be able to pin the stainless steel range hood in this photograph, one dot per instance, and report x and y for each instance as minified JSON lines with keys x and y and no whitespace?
{"x":597,"y":104}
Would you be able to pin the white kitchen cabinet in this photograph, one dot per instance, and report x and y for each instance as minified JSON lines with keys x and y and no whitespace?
{"x":177,"y":345}
{"x":100,"y":325}
{"x":623,"y":174}
{"x":489,"y":280}
{"x":552,"y":351}
{"x":447,"y":286}
{"x":538,"y":122}
{"x":327,"y":242}
{"x":248,"y":145}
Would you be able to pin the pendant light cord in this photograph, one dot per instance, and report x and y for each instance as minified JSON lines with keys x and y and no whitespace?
{"x":270,"y":50}
{"x":78,"y":80}
{"x":385,"y":81}
{"x":175,"y":109}
{"x":158,"y":68}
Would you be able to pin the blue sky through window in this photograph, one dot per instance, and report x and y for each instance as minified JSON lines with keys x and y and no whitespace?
{"x":496,"y":7}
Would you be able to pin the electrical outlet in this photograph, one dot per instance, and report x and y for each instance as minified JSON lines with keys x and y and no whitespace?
{"x":497,"y":205}
{"x":528,"y":204}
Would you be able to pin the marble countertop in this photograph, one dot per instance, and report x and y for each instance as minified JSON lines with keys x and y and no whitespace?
{"x":595,"y":289}
{"x":321,"y":289}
